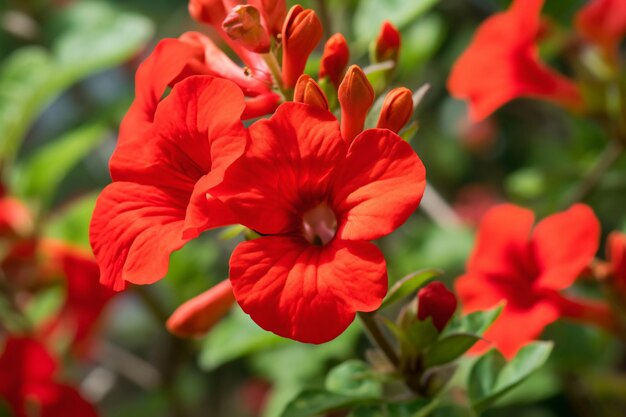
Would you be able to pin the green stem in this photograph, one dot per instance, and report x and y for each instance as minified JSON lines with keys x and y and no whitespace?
{"x":378,"y":338}
{"x":277,"y":74}
{"x":605,"y":161}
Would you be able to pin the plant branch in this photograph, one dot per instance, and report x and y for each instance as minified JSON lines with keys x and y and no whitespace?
{"x":607,"y":158}
{"x":378,"y":338}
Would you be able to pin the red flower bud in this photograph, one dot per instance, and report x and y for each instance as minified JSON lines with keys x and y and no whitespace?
{"x":397,"y":110}
{"x":309,"y":92}
{"x":302,"y":32}
{"x":616,"y":254}
{"x":387,"y":43}
{"x":198,"y":315}
{"x":275,"y":12}
{"x":437,"y":302}
{"x":604,"y":23}
{"x":243,"y":25}
{"x":356,"y":97}
{"x":335,"y":59}
{"x":211,"y":12}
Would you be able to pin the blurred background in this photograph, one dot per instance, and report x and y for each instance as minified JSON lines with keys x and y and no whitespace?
{"x":66,"y":80}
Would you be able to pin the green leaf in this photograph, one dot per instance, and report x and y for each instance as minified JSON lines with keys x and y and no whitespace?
{"x":315,"y":402}
{"x":491,"y":376}
{"x":420,"y":42}
{"x":95,"y":36}
{"x":234,"y":337}
{"x":40,"y":175}
{"x":370,"y":14}
{"x":409,"y":285}
{"x":475,"y":323}
{"x":71,"y":225}
{"x":421,"y":334}
{"x":354,"y":378}
{"x":449,"y":348}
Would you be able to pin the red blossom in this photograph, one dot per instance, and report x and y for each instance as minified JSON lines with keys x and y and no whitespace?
{"x":437,"y":302}
{"x":397,"y":109}
{"x":616,"y":255}
{"x":604,"y":23}
{"x":528,"y":266}
{"x":243,"y":25}
{"x":502,"y":63}
{"x":198,"y":315}
{"x":153,"y":207}
{"x":316,"y":200}
{"x":27,"y":379}
{"x":309,"y":92}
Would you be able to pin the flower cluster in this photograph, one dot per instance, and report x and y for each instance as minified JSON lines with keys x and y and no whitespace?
{"x":315,"y":189}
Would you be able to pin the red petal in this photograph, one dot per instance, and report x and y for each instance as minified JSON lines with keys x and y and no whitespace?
{"x":517,"y":327}
{"x":603,"y":22}
{"x":67,"y":403}
{"x":303,"y":292}
{"x":502,"y":246}
{"x":198,"y":315}
{"x":134,"y":229}
{"x":285,"y":170}
{"x":564,"y":245}
{"x":477,"y":292}
{"x":502,"y":63}
{"x":436,"y":301}
{"x":616,"y":255}
{"x":378,"y":186}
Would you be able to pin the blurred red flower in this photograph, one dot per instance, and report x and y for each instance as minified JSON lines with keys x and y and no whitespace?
{"x":528,"y":266}
{"x":28,"y":383}
{"x":616,"y":254}
{"x":153,"y":207}
{"x":316,"y":200}
{"x":502,"y":63}
{"x":604,"y":23}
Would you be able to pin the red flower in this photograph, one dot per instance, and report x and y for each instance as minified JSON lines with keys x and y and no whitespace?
{"x":436,"y":301}
{"x":502,"y":63}
{"x":151,"y":208}
{"x":397,"y":109}
{"x":198,"y":315}
{"x":335,"y":59}
{"x":603,"y":22}
{"x":528,"y":267}
{"x":388,"y":41}
{"x":302,"y":32}
{"x":356,"y":97}
{"x":317,"y":200}
{"x":27,"y":380}
{"x":176,"y":59}
{"x":15,"y":218}
{"x":85,"y":298}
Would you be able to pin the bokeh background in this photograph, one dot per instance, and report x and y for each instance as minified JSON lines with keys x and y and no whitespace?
{"x":66,"y":80}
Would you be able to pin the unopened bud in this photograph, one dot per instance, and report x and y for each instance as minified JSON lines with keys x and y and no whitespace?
{"x":198,"y":315}
{"x":616,"y":254}
{"x":335,"y":59}
{"x":387,"y":46}
{"x":356,"y":97}
{"x":275,"y":12}
{"x":211,"y":12}
{"x":243,"y":25}
{"x":437,"y":302}
{"x":397,"y":109}
{"x":301,"y":33}
{"x":309,"y":92}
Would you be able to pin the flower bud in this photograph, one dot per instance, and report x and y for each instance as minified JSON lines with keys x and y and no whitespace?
{"x":211,"y":12}
{"x":198,"y":315}
{"x":243,"y":25}
{"x":307,"y":91}
{"x":356,"y":97}
{"x":387,"y":45}
{"x":302,"y":32}
{"x":397,"y":110}
{"x":334,"y":59}
{"x":616,"y":254}
{"x":275,"y":13}
{"x":437,"y":302}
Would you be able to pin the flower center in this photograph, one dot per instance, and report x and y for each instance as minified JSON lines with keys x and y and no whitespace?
{"x":319,"y":225}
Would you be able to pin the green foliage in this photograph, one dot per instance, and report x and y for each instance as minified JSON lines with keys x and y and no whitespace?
{"x":475,"y":323}
{"x":94,"y":36}
{"x":354,"y":378}
{"x":234,"y":337}
{"x":492,"y":376}
{"x":448,"y":349}
{"x":41,"y":174}
{"x":409,"y":285}
{"x":71,"y":223}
